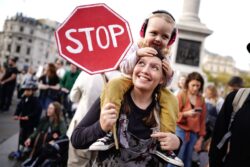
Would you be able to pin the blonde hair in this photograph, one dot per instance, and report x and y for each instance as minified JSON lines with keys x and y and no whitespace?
{"x":169,"y":19}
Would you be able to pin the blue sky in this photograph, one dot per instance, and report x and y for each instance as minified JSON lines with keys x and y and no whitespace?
{"x":228,"y":19}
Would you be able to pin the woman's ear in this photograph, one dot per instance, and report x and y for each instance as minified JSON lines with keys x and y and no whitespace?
{"x":163,"y":81}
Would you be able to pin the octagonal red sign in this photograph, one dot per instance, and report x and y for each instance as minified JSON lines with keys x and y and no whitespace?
{"x":94,"y":38}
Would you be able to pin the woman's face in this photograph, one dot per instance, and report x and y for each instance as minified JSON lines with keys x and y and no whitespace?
{"x":194,"y":87}
{"x":50,"y":110}
{"x":158,"y":33}
{"x":147,"y":73}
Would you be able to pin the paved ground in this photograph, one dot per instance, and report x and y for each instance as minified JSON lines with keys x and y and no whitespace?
{"x":9,"y":135}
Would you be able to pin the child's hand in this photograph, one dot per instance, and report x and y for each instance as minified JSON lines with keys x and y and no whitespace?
{"x":108,"y":117}
{"x":27,"y":142}
{"x":167,"y":68}
{"x":147,"y":51}
{"x":168,"y":141}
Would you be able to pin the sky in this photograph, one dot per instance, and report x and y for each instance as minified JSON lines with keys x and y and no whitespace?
{"x":228,"y":19}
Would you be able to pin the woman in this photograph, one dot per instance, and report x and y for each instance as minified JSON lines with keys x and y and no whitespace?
{"x":49,"y":86}
{"x":137,"y":120}
{"x":50,"y":130}
{"x":191,"y":118}
{"x":213,"y":103}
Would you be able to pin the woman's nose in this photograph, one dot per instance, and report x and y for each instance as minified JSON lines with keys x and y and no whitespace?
{"x":145,"y":69}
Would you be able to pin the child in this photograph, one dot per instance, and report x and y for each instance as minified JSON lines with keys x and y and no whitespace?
{"x":27,"y":112}
{"x":158,"y":31}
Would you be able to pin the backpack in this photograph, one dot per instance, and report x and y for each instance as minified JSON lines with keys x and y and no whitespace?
{"x":238,"y":102}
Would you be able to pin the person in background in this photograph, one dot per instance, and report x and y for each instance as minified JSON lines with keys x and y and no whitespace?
{"x":27,"y":112}
{"x":51,"y":128}
{"x":191,"y":123}
{"x":19,"y":81}
{"x":49,"y":86}
{"x":8,"y":84}
{"x":235,"y":153}
{"x":235,"y":83}
{"x":66,"y":84}
{"x":180,"y":84}
{"x":60,"y":70}
{"x":86,"y":89}
{"x":213,"y":104}
{"x":1,"y":70}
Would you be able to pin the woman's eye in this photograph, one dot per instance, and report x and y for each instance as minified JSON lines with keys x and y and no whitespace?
{"x":155,"y":68}
{"x":141,"y":63}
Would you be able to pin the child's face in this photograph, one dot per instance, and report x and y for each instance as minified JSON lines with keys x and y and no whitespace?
{"x":158,"y":33}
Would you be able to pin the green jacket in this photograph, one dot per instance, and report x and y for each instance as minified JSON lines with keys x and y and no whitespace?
{"x":45,"y":126}
{"x":69,"y":79}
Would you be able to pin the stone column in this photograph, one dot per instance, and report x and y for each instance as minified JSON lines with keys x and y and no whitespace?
{"x":190,"y":40}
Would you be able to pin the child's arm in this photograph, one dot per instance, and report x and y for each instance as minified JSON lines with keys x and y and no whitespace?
{"x":168,"y":70}
{"x":128,"y":63}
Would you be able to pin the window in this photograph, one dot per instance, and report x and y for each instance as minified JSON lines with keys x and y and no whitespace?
{"x":31,"y":31}
{"x":46,"y":55}
{"x":9,"y":47}
{"x":30,"y":40}
{"x":18,"y":48}
{"x":21,"y":29}
{"x":19,"y":38}
{"x":28,"y":51}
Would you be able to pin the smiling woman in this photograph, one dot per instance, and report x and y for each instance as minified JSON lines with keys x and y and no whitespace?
{"x":148,"y":73}
{"x":139,"y":115}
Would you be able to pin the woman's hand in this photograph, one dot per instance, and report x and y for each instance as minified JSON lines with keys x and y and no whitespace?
{"x":198,"y":144}
{"x":190,"y":113}
{"x":168,"y":141}
{"x":147,"y":51}
{"x":108,"y":117}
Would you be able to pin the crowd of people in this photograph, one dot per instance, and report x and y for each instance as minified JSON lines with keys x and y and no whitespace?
{"x":127,"y":117}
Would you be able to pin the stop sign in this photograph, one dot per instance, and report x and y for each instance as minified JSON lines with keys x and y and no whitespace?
{"x":94,"y":38}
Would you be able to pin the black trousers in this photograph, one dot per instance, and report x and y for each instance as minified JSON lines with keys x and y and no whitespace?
{"x":6,"y":95}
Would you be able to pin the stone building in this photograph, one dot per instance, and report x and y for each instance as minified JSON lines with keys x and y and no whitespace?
{"x":31,"y":40}
{"x":217,"y":64}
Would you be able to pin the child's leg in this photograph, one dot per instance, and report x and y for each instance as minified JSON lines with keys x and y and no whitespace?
{"x":168,"y":117}
{"x":169,"y":110}
{"x":114,"y":92}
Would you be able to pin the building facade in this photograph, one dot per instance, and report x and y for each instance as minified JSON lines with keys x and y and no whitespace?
{"x":31,"y":40}
{"x":217,"y":64}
